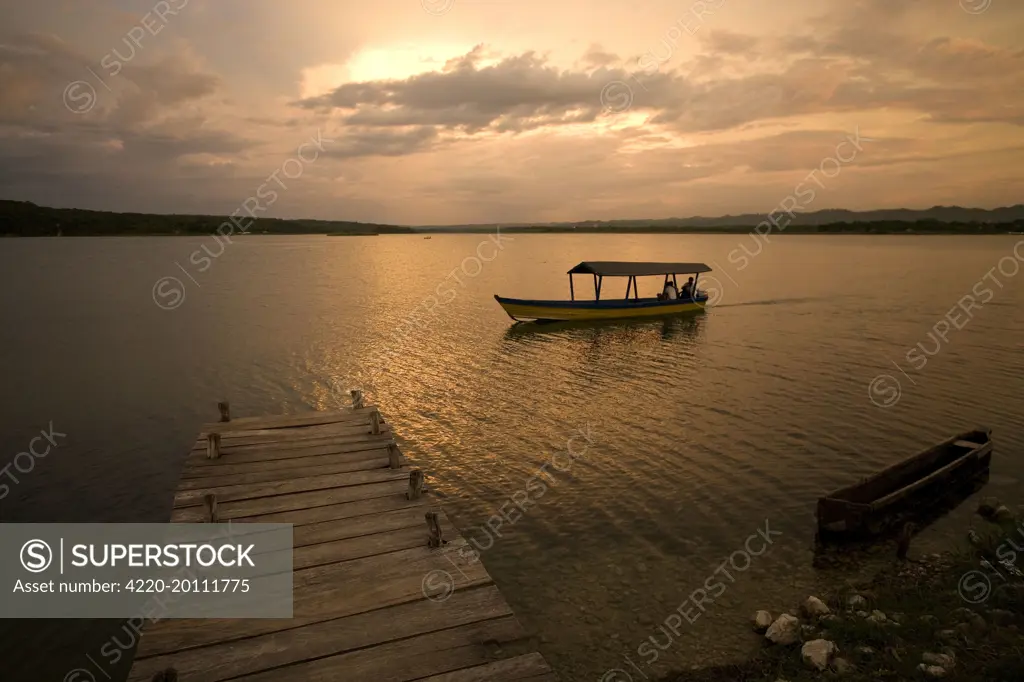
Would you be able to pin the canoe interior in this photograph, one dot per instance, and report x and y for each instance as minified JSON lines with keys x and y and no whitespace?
{"x":872,"y":501}
{"x":910,"y":470}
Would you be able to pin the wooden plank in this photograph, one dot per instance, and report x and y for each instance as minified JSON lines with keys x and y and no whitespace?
{"x":358,"y":526}
{"x":355,"y":530}
{"x":270,"y":451}
{"x":224,"y":661}
{"x":251,"y":422}
{"x":243,"y":476}
{"x":304,"y":434}
{"x":298,"y":510}
{"x":408,"y":659}
{"x":327,"y":592}
{"x":225,"y":466}
{"x":294,"y":443}
{"x":531,"y":667}
{"x":348,"y":548}
{"x":251,"y":491}
{"x":287,"y":420}
{"x":287,"y":432}
{"x":294,"y":501}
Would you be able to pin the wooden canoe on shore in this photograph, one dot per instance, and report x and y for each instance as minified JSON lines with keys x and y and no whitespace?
{"x":870,"y":506}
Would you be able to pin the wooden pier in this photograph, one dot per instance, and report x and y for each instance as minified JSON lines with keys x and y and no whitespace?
{"x":385,"y":588}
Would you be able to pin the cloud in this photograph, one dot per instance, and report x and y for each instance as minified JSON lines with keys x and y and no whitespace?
{"x":519,"y":93}
{"x":722,"y":120}
{"x":842,"y":71}
{"x":732,"y":43}
{"x":383,"y":143}
{"x":597,"y":56}
{"x":130,"y":137}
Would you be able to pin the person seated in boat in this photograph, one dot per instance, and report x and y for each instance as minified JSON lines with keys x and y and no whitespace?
{"x":687,"y":291}
{"x":669,"y":292}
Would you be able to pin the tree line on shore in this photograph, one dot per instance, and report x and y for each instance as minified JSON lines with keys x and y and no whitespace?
{"x":25,"y":219}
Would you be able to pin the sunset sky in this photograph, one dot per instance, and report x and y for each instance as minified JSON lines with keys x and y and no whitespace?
{"x":471,"y":111}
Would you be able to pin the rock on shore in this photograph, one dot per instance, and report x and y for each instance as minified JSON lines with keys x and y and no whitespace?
{"x":762,"y":621}
{"x":815,"y":608}
{"x":784,"y":631}
{"x":819,"y":653}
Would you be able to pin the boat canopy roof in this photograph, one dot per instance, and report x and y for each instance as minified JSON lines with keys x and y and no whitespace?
{"x":630,"y":269}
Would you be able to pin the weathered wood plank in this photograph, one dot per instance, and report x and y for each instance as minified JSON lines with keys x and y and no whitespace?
{"x":361,"y":531}
{"x":282,"y":440}
{"x":306,"y":457}
{"x":284,"y":421}
{"x":531,"y":667}
{"x":223,"y":661}
{"x":247,"y":422}
{"x":354,"y":527}
{"x":294,"y":501}
{"x":348,"y":548}
{"x":251,"y":491}
{"x":327,"y":592}
{"x":242,"y":477}
{"x":354,"y":425}
{"x":409,"y":659}
{"x":297,"y":435}
{"x":298,"y":509}
{"x":270,"y":451}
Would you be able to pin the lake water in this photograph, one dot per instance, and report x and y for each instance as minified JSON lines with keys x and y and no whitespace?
{"x":690,"y":434}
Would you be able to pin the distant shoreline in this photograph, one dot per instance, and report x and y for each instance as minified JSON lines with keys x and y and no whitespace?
{"x":955,"y":230}
{"x":823,"y":230}
{"x":25,"y":219}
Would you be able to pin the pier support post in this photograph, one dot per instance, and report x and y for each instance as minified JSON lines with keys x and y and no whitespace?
{"x":415,"y":484}
{"x":210,"y":502}
{"x":357,"y":398}
{"x":225,"y":411}
{"x":375,"y":422}
{"x":394,"y":456}
{"x":212,"y":445}
{"x":436,"y":538}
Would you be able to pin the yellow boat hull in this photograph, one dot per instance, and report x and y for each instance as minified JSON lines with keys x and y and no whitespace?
{"x":595,"y":310}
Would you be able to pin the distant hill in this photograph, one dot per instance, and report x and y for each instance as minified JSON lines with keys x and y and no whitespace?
{"x":25,"y":219}
{"x":942,"y":214}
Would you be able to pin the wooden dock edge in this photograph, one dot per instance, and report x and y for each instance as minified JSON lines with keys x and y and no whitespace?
{"x":376,"y":595}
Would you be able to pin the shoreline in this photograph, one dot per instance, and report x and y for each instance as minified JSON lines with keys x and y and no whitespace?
{"x":814,"y":231}
{"x":958,"y":614}
{"x":22,"y":218}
